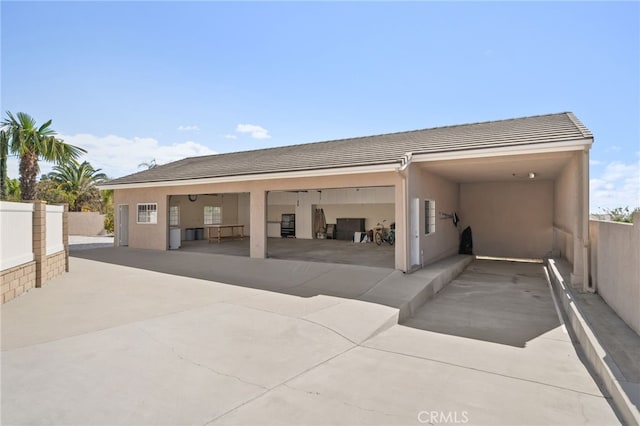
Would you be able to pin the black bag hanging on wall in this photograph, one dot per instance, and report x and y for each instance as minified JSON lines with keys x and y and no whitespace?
{"x":466,"y":242}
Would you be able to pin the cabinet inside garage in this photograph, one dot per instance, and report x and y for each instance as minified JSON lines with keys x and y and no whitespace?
{"x":345,"y":227}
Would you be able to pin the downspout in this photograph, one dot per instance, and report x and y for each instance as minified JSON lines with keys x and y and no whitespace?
{"x":586,"y":270}
{"x":403,"y":171}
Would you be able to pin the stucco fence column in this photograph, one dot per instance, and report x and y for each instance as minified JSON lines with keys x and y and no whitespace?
{"x":40,"y":240}
{"x":50,"y":262}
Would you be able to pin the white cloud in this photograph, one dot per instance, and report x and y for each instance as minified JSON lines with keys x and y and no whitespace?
{"x":257,"y":132}
{"x":595,"y":162}
{"x":118,"y":156}
{"x":617,"y":186}
{"x":189,"y":128}
{"x":230,"y":136}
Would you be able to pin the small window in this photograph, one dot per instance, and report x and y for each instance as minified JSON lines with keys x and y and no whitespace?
{"x":174,"y":216}
{"x":429,"y":217}
{"x":212,"y":215}
{"x":148,"y":213}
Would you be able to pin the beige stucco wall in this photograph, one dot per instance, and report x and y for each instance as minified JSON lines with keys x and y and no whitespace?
{"x":615,"y":270}
{"x":445,"y":240}
{"x":565,"y":218}
{"x":147,"y":235}
{"x":571,"y":216}
{"x":509,"y":219}
{"x":86,"y":223}
{"x":155,"y":236}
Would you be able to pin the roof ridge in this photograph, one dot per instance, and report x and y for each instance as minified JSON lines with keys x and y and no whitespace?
{"x":581,"y":127}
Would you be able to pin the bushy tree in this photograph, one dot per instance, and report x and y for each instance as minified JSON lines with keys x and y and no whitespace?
{"x":621,"y":214}
{"x":12,"y":187}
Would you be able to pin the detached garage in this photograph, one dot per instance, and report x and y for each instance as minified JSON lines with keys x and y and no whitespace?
{"x":521,"y":185}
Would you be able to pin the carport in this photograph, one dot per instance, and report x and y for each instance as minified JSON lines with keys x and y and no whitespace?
{"x":528,"y":206}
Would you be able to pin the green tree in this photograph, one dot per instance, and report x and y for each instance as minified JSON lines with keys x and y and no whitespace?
{"x":13,"y":189}
{"x":32,"y":143}
{"x":621,"y":214}
{"x":79,"y":181}
{"x":48,"y":190}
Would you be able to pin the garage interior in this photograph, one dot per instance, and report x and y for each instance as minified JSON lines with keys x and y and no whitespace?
{"x":307,"y":225}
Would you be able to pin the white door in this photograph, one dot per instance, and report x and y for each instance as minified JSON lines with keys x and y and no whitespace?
{"x":123,"y":225}
{"x":414,"y":236}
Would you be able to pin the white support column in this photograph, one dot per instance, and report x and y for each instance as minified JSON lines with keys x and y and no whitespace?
{"x":258,"y":219}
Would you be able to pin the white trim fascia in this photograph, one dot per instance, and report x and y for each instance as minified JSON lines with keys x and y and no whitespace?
{"x":577,"y":145}
{"x":244,"y":178}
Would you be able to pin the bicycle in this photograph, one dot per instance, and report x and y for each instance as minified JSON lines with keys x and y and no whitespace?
{"x":383,"y":235}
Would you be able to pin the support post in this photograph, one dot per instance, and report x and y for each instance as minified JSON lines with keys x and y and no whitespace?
{"x":258,"y":224}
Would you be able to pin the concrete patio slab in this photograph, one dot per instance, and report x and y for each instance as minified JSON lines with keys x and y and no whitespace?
{"x":254,"y":346}
{"x":112,"y":344}
{"x":376,"y":387}
{"x":95,"y":296}
{"x":116,"y":376}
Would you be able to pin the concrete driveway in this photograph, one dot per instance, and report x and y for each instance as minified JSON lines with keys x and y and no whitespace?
{"x":109,"y":344}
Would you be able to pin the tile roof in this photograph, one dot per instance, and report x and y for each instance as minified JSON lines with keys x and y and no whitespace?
{"x":369,"y":150}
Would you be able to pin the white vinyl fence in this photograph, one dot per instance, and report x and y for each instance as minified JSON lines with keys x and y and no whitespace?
{"x":54,"y":229}
{"x":16,"y":241}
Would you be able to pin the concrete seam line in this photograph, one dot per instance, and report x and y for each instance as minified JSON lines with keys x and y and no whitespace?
{"x":190,"y":361}
{"x":278,"y":385}
{"x":482,"y":371}
{"x":296,"y":318}
{"x":330,"y":329}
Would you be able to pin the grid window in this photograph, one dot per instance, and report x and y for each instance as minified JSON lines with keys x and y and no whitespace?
{"x":212,"y":215}
{"x":174,"y":216}
{"x":148,"y":213}
{"x":429,"y":217}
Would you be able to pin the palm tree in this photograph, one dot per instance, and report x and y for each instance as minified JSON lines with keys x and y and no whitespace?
{"x":32,"y":143}
{"x":79,"y":180}
{"x":149,"y":165}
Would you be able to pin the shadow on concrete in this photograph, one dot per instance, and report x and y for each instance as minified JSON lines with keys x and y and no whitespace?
{"x":299,"y":278}
{"x":495,"y":301}
{"x":306,"y":250}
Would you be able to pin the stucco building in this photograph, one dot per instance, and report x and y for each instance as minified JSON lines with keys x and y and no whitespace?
{"x":520,"y":184}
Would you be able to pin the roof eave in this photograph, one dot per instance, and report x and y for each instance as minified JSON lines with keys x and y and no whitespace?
{"x":374,"y":168}
{"x":568,"y":145}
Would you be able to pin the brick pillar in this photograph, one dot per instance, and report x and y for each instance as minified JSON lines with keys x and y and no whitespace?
{"x":40,"y":241}
{"x":65,"y":236}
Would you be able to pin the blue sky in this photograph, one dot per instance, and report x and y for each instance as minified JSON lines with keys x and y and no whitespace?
{"x":132,"y":81}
